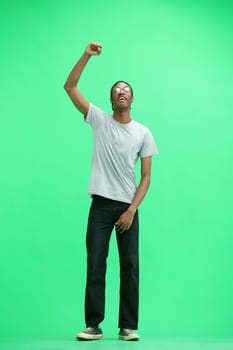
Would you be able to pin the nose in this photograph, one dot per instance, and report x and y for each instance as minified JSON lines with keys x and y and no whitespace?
{"x":122,"y":91}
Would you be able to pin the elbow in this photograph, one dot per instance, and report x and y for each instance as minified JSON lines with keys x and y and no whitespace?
{"x":66,"y":87}
{"x":69,"y":84}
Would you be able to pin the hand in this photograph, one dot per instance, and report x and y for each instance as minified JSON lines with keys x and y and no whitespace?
{"x":125,"y":221}
{"x":93,"y":49}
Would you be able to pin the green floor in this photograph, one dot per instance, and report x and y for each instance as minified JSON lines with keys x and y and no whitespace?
{"x":110,"y":343}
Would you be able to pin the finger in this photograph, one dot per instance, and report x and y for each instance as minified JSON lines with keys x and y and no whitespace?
{"x":124,"y":228}
{"x":96,"y":46}
{"x":120,"y":227}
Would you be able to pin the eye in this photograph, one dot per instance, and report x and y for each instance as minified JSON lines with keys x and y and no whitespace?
{"x":117,"y":89}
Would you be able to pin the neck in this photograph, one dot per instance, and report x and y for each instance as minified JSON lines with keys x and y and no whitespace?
{"x":122,"y":116}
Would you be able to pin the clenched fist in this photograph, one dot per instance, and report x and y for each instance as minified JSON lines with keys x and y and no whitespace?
{"x":93,"y":48}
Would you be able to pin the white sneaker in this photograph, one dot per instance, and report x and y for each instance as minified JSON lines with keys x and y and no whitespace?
{"x":128,"y":334}
{"x":90,"y":333}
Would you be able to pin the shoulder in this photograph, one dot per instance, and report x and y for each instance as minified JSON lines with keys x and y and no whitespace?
{"x":94,"y":110}
{"x":143,"y":129}
{"x":95,"y":115}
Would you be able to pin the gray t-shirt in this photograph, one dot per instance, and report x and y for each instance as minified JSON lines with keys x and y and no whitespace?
{"x":117,"y":147}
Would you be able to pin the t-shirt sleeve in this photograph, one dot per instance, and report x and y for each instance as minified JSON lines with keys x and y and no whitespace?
{"x":95,"y":116}
{"x":149,"y":146}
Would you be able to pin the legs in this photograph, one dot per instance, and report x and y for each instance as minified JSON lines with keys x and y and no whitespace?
{"x":100,"y":225}
{"x":102,"y":217}
{"x":129,"y":276}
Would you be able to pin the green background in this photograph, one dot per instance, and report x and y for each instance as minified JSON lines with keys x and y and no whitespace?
{"x":178,"y":57}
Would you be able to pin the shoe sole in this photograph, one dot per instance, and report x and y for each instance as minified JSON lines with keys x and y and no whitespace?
{"x":89,"y":336}
{"x":128,"y":337}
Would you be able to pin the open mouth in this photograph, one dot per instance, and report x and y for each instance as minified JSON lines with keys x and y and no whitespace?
{"x":122,"y":98}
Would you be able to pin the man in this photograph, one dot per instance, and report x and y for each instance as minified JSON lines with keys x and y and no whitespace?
{"x":118,"y":142}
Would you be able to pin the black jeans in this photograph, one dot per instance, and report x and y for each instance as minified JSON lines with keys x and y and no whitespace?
{"x":102,"y":217}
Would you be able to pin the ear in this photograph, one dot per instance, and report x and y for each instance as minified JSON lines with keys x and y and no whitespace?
{"x":112,"y":104}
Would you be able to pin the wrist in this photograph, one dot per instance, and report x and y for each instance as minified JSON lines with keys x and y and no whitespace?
{"x":132,"y":210}
{"x":87,"y":55}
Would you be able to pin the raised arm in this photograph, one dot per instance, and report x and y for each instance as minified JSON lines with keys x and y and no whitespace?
{"x":71,"y":84}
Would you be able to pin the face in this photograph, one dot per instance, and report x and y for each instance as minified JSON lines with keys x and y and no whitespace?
{"x":121,"y":96}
